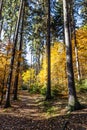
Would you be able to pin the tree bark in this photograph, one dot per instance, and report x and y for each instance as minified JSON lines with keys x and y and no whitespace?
{"x":48,"y":94}
{"x":1,"y":21}
{"x":7,"y":104}
{"x":72,"y":101}
{"x":19,"y":56}
{"x":76,"y":54}
{"x":75,"y":43}
{"x":72,"y":23}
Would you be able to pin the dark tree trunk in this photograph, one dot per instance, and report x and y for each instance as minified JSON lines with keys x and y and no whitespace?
{"x":16,"y":85}
{"x":7,"y":104}
{"x":75,"y":43}
{"x":1,"y":3}
{"x":73,"y":102}
{"x":1,"y":20}
{"x":72,"y":28}
{"x":31,"y":69}
{"x":48,"y":94}
{"x":19,"y":56}
{"x":76,"y":54}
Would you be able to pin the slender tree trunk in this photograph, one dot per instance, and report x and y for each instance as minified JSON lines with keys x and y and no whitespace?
{"x":30,"y":83}
{"x":19,"y":56}
{"x":69,"y":11}
{"x":73,"y":102}
{"x":72,"y":23}
{"x":76,"y":54}
{"x":75,"y":43}
{"x":7,"y":104}
{"x":1,"y":21}
{"x":1,"y":3}
{"x":38,"y":62}
{"x":48,"y":94}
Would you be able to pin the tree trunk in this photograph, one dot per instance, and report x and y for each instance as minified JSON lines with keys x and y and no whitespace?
{"x":72,"y":21}
{"x":76,"y":49}
{"x":73,"y":102}
{"x":76,"y":54}
{"x":7,"y":104}
{"x":1,"y":21}
{"x":19,"y":56}
{"x":1,"y":3}
{"x":48,"y":94}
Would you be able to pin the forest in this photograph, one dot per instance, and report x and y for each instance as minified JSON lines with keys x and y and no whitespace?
{"x":43,"y":64}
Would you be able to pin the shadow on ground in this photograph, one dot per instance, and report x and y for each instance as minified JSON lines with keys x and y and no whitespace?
{"x":31,"y":112}
{"x":74,"y":122}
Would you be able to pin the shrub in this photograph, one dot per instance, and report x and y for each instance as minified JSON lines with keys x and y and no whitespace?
{"x":82,"y":85}
{"x":34,"y":88}
{"x":24,"y":87}
{"x":43,"y":90}
{"x":55,"y":92}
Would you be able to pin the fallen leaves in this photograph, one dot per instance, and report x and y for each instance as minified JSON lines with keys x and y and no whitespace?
{"x":27,"y":114}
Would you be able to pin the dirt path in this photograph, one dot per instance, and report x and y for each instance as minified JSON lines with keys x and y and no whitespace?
{"x":31,"y":113}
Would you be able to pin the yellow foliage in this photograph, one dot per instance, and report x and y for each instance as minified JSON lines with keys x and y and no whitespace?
{"x":58,"y":67}
{"x":58,"y":61}
{"x":28,"y":76}
{"x":9,"y":47}
{"x":81,"y":39}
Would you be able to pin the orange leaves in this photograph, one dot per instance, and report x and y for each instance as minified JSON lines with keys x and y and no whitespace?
{"x":82,"y":42}
{"x":5,"y":58}
{"x":9,"y":47}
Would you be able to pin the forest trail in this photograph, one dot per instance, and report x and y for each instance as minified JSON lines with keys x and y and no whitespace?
{"x":30,"y":112}
{"x":26,"y":106}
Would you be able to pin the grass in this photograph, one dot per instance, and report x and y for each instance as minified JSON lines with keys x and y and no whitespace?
{"x":82,"y":86}
{"x":50,"y":108}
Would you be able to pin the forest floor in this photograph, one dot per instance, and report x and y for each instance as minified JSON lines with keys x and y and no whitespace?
{"x":31,"y":112}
